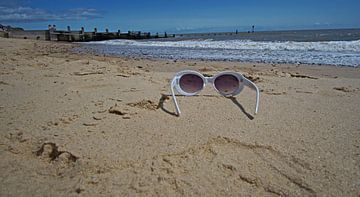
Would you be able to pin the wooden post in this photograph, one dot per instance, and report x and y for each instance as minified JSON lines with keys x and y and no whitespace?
{"x":69,"y":30}
{"x":47,"y":33}
{"x":94,"y":34}
{"x":82,"y":36}
{"x":236,"y":32}
{"x":118,"y":33}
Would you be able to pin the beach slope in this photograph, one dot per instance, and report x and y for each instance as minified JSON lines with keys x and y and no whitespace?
{"x":91,"y":125}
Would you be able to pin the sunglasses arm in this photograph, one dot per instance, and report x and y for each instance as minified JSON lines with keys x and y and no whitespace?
{"x":252,"y":85}
{"x":173,"y":82}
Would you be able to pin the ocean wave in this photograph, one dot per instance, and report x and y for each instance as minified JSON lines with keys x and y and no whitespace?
{"x":339,"y":53}
{"x":330,"y":46}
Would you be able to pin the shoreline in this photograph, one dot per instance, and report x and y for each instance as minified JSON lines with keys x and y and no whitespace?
{"x":97,"y":125}
{"x":205,"y":60}
{"x":342,"y":53}
{"x":215,"y":60}
{"x":247,"y":64}
{"x":196,"y":61}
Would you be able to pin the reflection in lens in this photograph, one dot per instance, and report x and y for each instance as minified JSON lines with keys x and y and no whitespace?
{"x":226,"y":84}
{"x":191,"y":83}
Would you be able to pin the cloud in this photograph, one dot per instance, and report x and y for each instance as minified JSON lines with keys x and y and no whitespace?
{"x":82,"y":14}
{"x":28,"y":14}
{"x":322,"y":24}
{"x":25,"y":14}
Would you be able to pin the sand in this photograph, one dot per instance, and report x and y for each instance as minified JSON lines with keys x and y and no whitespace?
{"x":88,"y":125}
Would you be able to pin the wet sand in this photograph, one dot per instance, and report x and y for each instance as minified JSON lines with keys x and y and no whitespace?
{"x":81,"y":124}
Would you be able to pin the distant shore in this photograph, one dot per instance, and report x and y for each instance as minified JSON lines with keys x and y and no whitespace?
{"x":306,"y":35}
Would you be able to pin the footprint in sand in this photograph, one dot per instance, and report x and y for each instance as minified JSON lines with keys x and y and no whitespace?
{"x":119,"y":111}
{"x":272,"y":92}
{"x":345,"y":89}
{"x":253,"y":78}
{"x":297,"y":75}
{"x":49,"y":152}
{"x":65,"y":120}
{"x":144,"y":104}
{"x":224,"y":163}
{"x":3,"y":83}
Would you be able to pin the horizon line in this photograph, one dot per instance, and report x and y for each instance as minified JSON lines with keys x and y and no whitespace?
{"x":202,"y":32}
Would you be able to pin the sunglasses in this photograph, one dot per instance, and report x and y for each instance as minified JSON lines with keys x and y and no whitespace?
{"x":228,"y":84}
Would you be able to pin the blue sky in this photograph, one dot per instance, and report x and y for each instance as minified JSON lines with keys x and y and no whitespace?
{"x":181,"y":15}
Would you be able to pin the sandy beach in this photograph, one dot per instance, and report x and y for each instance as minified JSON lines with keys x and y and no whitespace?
{"x":90,"y":125}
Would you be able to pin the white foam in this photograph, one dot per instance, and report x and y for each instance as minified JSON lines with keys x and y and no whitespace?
{"x":332,"y":53}
{"x":331,"y":46}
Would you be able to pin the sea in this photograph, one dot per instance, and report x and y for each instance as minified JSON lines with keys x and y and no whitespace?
{"x":338,"y":47}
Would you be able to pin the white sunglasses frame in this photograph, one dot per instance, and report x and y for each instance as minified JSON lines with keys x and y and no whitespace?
{"x":242,"y":80}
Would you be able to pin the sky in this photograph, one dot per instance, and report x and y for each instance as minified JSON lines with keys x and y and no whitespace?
{"x":181,"y":15}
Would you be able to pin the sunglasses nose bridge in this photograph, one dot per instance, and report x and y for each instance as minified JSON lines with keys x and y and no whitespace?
{"x":209,"y":79}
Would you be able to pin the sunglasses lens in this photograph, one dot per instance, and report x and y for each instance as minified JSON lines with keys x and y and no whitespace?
{"x":191,"y":83}
{"x":226,"y":84}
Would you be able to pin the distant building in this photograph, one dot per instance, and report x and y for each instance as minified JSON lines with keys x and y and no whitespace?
{"x":9,"y":28}
{"x":2,"y":27}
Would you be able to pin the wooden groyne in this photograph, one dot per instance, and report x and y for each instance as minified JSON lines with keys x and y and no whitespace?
{"x":79,"y":36}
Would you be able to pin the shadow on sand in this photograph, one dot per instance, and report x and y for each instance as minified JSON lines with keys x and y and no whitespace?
{"x":165,"y":97}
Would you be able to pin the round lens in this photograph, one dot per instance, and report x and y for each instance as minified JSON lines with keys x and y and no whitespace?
{"x":226,"y":84}
{"x":191,"y":83}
